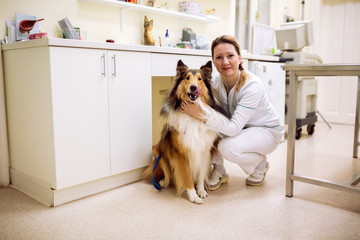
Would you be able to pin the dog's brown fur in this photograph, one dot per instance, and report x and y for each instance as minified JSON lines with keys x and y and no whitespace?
{"x":185,"y":160}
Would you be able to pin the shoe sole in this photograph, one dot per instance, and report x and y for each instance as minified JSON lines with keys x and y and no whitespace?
{"x":224,"y":180}
{"x":250,"y":183}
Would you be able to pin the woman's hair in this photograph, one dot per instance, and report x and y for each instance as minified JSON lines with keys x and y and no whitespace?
{"x":231,"y":40}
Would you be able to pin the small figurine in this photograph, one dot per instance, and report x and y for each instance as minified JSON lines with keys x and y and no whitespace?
{"x":148,"y":37}
{"x":151,"y":3}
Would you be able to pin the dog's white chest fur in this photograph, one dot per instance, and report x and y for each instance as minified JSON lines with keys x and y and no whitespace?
{"x":196,"y":137}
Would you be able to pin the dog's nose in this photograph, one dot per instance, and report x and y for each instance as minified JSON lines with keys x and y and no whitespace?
{"x":193,"y":88}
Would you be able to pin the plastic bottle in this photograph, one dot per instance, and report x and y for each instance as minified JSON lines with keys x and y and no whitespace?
{"x":167,"y":39}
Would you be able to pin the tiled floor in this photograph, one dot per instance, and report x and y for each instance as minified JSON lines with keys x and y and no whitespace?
{"x":235,"y":211}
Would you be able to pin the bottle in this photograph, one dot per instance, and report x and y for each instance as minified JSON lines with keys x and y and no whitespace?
{"x":167,"y":39}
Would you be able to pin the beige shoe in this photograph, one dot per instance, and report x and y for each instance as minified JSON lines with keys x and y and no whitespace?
{"x":258,"y":176}
{"x":216,"y":179}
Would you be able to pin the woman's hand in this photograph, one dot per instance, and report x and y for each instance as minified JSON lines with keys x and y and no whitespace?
{"x":193,"y":110}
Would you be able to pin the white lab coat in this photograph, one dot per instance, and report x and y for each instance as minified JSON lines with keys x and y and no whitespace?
{"x":254,"y":129}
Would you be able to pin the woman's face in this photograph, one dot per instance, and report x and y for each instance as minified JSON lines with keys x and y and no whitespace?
{"x":226,"y":60}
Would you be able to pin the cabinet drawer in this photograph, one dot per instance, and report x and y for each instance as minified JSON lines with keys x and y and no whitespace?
{"x":165,"y":64}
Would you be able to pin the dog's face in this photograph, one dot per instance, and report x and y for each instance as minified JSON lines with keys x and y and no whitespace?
{"x":192,"y":84}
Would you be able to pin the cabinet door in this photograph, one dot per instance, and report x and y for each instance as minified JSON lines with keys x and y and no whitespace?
{"x":80,"y":112}
{"x":129,"y":110}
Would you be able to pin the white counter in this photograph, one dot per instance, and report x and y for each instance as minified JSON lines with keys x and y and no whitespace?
{"x":69,"y":136}
{"x":125,"y":47}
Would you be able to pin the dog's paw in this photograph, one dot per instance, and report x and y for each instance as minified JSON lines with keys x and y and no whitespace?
{"x":202,"y":193}
{"x":162,"y":183}
{"x":193,"y":197}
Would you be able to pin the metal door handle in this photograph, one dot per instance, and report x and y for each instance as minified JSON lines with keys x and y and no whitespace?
{"x":104,"y":67}
{"x":114,"y":61}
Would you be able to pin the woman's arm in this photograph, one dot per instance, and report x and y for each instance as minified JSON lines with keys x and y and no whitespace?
{"x":245,"y":108}
{"x":193,"y":110}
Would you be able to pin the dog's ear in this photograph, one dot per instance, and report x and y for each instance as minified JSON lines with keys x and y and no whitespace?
{"x":181,"y":67}
{"x":207,"y":69}
{"x":207,"y":66}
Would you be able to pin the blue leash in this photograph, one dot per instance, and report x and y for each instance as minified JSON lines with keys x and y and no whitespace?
{"x":156,"y":185}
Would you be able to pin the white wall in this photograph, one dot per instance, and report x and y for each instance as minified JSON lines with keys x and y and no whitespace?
{"x":102,"y":22}
{"x":289,"y":7}
{"x":278,"y":8}
{"x":337,"y":41}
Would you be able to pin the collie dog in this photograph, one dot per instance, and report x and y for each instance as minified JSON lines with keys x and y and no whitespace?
{"x":186,"y":144}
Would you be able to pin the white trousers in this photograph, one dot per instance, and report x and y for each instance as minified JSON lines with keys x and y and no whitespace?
{"x":249,"y":147}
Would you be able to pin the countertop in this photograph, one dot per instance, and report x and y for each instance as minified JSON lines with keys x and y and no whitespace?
{"x":59,"y":42}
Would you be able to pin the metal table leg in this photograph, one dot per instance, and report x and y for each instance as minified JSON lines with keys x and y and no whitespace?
{"x":291,"y":133}
{"x":356,"y":130}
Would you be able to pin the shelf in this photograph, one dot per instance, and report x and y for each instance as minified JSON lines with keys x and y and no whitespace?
{"x":124,"y":6}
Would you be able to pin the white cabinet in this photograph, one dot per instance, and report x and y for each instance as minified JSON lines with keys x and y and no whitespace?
{"x":273,"y":76}
{"x":79,"y":92}
{"x":79,"y":120}
{"x":129,"y":110}
{"x":79,"y":113}
{"x":57,"y":115}
{"x":165,"y":64}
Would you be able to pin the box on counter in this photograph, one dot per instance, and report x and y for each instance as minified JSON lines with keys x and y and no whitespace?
{"x":192,"y":8}
{"x":185,"y":45}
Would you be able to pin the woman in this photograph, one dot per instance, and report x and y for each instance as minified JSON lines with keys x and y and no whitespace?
{"x":254,"y":129}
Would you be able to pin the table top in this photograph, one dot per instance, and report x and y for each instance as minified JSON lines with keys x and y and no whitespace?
{"x":324,"y":69}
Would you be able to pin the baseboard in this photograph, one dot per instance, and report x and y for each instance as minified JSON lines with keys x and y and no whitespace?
{"x":83,"y":190}
{"x":42,"y":191}
{"x":31,"y":186}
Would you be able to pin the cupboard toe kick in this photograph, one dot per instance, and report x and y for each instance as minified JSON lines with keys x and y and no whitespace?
{"x":44,"y":193}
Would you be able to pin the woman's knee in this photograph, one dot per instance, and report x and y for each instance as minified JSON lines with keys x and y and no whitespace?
{"x":225,"y":149}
